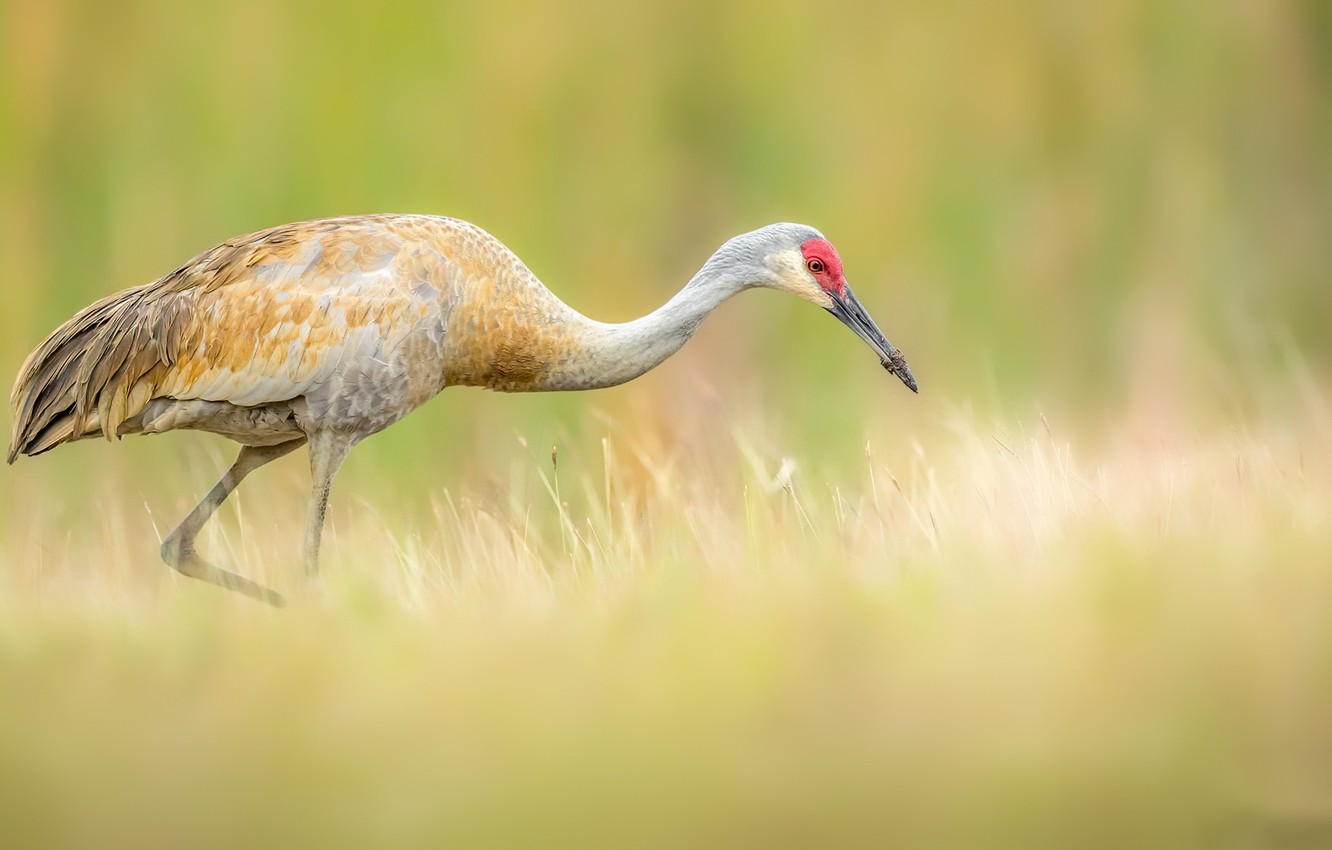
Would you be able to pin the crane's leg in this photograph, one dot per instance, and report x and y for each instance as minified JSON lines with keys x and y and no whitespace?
{"x":178,"y":548}
{"x":328,"y":449}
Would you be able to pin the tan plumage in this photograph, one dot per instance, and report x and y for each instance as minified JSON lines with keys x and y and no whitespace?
{"x":329,"y":331}
{"x":254,"y":321}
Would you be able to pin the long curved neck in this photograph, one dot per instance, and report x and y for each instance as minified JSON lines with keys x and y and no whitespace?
{"x":610,"y":354}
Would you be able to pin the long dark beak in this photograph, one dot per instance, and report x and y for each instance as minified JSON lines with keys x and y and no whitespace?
{"x":848,"y":308}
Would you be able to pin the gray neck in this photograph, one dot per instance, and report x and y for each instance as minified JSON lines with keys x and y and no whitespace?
{"x":610,"y":354}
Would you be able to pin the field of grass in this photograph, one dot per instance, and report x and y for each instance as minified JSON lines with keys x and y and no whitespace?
{"x":988,"y":633}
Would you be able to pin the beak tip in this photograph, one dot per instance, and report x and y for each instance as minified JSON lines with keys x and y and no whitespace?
{"x":897,"y":364}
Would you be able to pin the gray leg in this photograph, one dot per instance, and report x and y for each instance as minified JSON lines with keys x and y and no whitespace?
{"x":328,"y":449}
{"x":178,"y":548}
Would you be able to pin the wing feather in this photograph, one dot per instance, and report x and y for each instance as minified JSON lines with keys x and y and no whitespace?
{"x":258,"y":319}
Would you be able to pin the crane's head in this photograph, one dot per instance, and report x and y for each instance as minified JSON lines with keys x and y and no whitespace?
{"x":798,"y":259}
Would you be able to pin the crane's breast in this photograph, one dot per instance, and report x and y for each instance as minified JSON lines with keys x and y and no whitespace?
{"x":506,"y":334}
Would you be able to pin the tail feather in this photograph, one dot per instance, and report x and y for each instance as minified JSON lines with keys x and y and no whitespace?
{"x":58,"y":370}
{"x":87,"y":376}
{"x":57,"y":433}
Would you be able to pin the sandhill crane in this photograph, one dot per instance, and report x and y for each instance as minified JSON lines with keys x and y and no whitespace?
{"x":325,"y":332}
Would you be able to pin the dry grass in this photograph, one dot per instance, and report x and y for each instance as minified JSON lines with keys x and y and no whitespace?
{"x":991,"y":639}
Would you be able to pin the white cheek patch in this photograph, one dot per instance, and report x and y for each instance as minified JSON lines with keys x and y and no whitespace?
{"x":790,"y":274}
{"x":786,"y":264}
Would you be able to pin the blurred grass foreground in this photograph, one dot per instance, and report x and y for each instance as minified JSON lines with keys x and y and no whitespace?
{"x":987,"y":641}
{"x":1077,"y":593}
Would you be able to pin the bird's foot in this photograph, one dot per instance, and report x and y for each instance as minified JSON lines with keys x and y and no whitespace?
{"x":184,"y":560}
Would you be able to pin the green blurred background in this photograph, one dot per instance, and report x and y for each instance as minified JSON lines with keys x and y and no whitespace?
{"x":1112,"y":214}
{"x":1074,"y":207}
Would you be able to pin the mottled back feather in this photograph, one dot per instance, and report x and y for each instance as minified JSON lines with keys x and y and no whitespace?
{"x":244,"y":322}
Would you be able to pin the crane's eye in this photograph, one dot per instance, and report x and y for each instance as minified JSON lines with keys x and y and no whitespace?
{"x":815,"y":265}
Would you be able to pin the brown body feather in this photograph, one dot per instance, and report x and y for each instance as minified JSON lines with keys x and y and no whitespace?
{"x":366,"y":316}
{"x":101,"y":369}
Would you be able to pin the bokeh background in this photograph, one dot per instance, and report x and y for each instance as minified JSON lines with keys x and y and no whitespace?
{"x":1073,"y":207}
{"x":1096,"y":224}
